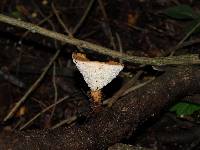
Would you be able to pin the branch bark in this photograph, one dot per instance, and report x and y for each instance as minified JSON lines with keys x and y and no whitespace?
{"x":172,"y":60}
{"x":115,"y":123}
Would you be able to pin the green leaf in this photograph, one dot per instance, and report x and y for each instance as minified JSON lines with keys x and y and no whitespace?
{"x":184,"y":108}
{"x":181,"y":12}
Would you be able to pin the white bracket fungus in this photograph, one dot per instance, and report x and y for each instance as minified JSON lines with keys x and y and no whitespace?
{"x":96,"y":74}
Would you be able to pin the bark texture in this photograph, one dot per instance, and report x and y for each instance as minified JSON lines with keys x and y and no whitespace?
{"x":115,"y":123}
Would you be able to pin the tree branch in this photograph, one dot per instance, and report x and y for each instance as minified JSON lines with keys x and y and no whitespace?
{"x":115,"y":123}
{"x":172,"y":60}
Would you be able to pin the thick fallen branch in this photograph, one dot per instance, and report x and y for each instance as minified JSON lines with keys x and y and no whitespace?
{"x":115,"y":123}
{"x":172,"y":60}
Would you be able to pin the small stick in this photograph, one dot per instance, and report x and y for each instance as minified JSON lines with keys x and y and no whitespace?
{"x":43,"y":111}
{"x":185,"y":37}
{"x":60,"y":20}
{"x":40,"y":23}
{"x":66,"y":121}
{"x":55,"y":88}
{"x":138,"y":86}
{"x":106,"y":24}
{"x":120,"y":45}
{"x":127,"y":85}
{"x":191,"y":42}
{"x":62,"y":23}
{"x":83,"y":17}
{"x":12,"y":79}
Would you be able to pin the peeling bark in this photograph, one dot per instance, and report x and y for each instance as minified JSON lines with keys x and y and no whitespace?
{"x":115,"y":123}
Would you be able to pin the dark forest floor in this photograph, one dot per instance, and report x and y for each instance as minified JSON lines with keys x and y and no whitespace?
{"x":139,"y":26}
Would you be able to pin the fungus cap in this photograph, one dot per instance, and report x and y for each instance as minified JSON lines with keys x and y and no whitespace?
{"x":96,"y":74}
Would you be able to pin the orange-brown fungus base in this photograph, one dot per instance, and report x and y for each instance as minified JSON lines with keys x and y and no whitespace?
{"x":96,"y":97}
{"x":82,"y":57}
{"x":113,"y":62}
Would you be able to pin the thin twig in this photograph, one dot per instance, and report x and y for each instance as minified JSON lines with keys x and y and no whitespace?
{"x":184,"y":38}
{"x":126,"y":86}
{"x":185,"y":44}
{"x":18,"y":124}
{"x":172,"y":60}
{"x":60,"y":20}
{"x":54,"y":64}
{"x":106,"y":24}
{"x":83,"y":17}
{"x":191,"y":42}
{"x":27,"y":32}
{"x":66,"y":121}
{"x":43,"y":111}
{"x":12,"y":79}
{"x":63,"y":24}
{"x":48,"y":20}
{"x":55,"y":88}
{"x":33,"y":87}
{"x":40,"y":23}
{"x":120,"y":45}
{"x":60,"y":71}
{"x":42,"y":104}
{"x":137,"y":86}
